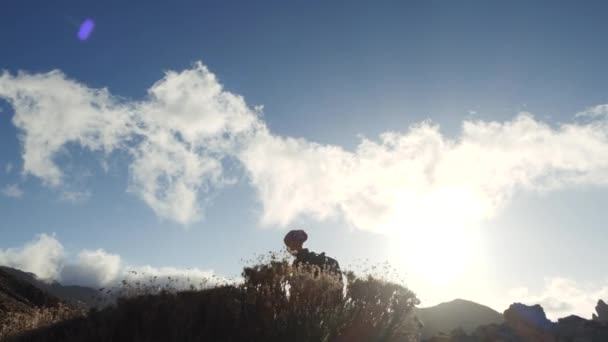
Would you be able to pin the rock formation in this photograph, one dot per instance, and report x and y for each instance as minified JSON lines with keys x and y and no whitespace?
{"x":602,"y":311}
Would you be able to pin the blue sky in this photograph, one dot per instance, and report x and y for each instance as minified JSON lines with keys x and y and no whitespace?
{"x":332,"y":75}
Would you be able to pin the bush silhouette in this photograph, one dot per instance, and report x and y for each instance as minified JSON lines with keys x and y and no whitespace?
{"x":274,"y":302}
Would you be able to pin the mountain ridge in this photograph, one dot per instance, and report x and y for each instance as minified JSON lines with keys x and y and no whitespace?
{"x":458,"y":313}
{"x":75,"y":295}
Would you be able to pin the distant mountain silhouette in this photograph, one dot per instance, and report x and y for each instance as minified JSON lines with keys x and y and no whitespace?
{"x":528,"y":323}
{"x":74,"y":295}
{"x":19,"y":295}
{"x":25,"y":304}
{"x":459,"y":313}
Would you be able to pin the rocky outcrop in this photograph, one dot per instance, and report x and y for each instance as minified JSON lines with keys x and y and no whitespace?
{"x":529,"y":322}
{"x":602,"y":311}
{"x":575,"y":328}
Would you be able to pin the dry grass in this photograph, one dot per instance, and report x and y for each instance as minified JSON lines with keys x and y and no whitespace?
{"x":13,"y":323}
{"x":274,"y":302}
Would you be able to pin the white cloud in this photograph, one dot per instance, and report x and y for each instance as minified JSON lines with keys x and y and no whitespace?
{"x":404,"y":179}
{"x":51,"y":111}
{"x":99,"y":268}
{"x":42,"y":256}
{"x":8,"y":168}
{"x":12,"y":191}
{"x":92,"y":268}
{"x":561,"y":297}
{"x":46,"y":258}
{"x":177,"y":137}
{"x":181,"y":134}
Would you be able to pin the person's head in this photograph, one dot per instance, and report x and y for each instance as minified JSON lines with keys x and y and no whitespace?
{"x":294,"y":240}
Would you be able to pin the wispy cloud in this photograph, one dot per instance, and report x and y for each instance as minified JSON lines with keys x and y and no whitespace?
{"x":75,"y":196}
{"x":8,"y":168}
{"x":561,"y":297}
{"x":599,"y":111}
{"x":12,"y":191}
{"x":180,"y":136}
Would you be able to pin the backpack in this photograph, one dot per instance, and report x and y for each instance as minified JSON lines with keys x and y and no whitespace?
{"x":322,"y":261}
{"x":330,"y":264}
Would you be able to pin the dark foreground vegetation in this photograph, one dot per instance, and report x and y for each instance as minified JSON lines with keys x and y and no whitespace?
{"x":274,"y":302}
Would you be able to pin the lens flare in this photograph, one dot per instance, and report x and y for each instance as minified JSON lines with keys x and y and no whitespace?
{"x":86,"y":28}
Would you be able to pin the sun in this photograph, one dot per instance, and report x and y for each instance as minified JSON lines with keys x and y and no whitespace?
{"x":434,"y":236}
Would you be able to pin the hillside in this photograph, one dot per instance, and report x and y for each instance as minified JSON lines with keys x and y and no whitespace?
{"x":459,"y":313}
{"x":73,"y":295}
{"x":18,"y":295}
{"x":25,"y":306}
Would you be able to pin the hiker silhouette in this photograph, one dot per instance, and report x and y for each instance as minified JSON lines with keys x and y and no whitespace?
{"x":294,"y":240}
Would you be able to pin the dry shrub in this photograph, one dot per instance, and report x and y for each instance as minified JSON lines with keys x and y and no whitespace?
{"x":310,"y":305}
{"x":274,"y":302}
{"x":13,"y":323}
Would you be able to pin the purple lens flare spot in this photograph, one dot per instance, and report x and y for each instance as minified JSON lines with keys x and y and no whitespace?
{"x":86,"y":28}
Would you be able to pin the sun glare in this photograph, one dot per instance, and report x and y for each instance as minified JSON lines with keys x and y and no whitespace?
{"x":434,"y":236}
